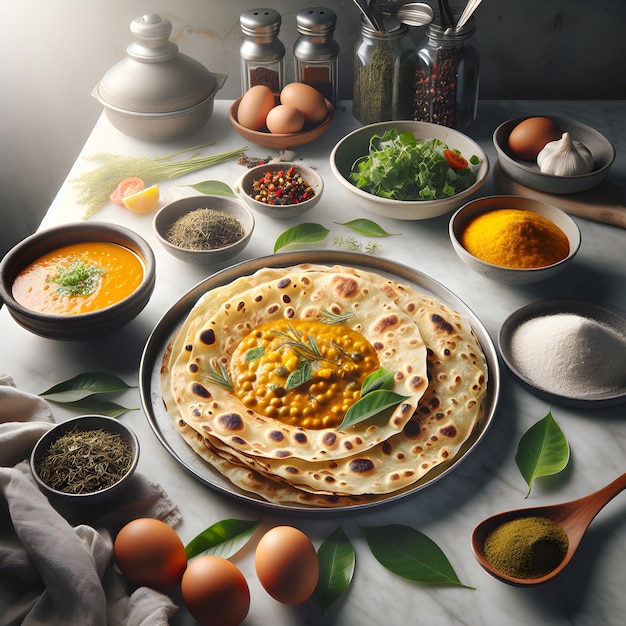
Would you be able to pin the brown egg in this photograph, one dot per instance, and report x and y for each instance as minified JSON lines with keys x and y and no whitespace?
{"x":284,"y":119}
{"x":215,"y":591}
{"x":255,"y":104}
{"x":529,"y":137}
{"x":286,"y":565}
{"x":307,"y":99}
{"x":150,"y":553}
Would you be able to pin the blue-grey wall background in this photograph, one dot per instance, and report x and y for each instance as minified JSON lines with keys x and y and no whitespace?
{"x":53,"y":52}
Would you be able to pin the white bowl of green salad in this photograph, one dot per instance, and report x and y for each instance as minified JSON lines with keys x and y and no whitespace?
{"x":409,"y":170}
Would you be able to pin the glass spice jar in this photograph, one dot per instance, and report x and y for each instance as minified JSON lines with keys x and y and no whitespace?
{"x":384,"y":72}
{"x":316,"y":52}
{"x":262,"y":53}
{"x":447,"y":76}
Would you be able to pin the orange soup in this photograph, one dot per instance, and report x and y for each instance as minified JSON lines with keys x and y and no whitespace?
{"x":79,"y":278}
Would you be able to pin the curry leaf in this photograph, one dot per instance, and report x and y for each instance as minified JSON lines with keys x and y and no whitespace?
{"x":213,"y":187}
{"x":410,"y":554}
{"x":379,"y":379}
{"x":301,"y":233}
{"x":336,"y":558}
{"x":84,"y":385}
{"x":369,"y":405}
{"x":367,"y":227}
{"x":93,"y":405}
{"x":542,"y":451}
{"x":223,"y":538}
{"x":300,"y":376}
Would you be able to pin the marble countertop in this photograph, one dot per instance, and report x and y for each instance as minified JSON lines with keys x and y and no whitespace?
{"x":588,"y":592}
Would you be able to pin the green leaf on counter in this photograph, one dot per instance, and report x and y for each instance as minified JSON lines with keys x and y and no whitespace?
{"x":223,"y":538}
{"x":301,"y":233}
{"x":84,"y":385}
{"x":213,"y":188}
{"x":367,"y":227}
{"x":336,"y":558}
{"x":543,"y":450}
{"x":410,"y":554}
{"x":93,"y":405}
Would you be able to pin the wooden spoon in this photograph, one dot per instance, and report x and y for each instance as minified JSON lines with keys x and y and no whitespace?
{"x":574,"y":517}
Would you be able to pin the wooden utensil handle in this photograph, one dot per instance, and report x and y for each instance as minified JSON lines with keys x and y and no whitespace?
{"x":604,"y":203}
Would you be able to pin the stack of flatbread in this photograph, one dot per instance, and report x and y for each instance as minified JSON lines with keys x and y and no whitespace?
{"x":439,"y":372}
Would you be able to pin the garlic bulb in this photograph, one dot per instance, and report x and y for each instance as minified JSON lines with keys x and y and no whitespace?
{"x":565,"y":157}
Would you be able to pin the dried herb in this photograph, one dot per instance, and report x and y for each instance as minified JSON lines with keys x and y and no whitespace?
{"x":205,"y":229}
{"x":79,"y":279}
{"x":528,"y":547}
{"x":81,"y":462}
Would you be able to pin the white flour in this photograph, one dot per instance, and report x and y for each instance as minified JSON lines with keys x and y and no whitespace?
{"x":570,"y":355}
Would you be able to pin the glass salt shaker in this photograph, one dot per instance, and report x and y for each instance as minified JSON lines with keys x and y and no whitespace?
{"x":262,"y":53}
{"x":447,"y":76}
{"x":384,"y":72}
{"x":316,"y":52}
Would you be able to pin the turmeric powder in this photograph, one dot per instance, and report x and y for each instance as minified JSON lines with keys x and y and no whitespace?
{"x":515,"y":238}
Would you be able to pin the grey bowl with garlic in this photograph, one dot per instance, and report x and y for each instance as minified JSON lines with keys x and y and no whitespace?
{"x":529,"y":174}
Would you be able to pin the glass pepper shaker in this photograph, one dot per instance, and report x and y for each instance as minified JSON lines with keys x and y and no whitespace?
{"x":262,"y":53}
{"x":447,"y":76}
{"x":316,"y":52}
{"x":384,"y":72}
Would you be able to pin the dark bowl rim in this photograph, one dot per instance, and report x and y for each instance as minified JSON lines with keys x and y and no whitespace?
{"x":59,"y":429}
{"x":46,"y":240}
{"x":508,"y":125}
{"x":157,"y":226}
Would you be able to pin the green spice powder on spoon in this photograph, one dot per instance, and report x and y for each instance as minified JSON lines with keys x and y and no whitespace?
{"x":528,"y":547}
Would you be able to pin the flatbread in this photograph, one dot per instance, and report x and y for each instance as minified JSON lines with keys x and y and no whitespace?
{"x":301,"y":293}
{"x":443,"y":418}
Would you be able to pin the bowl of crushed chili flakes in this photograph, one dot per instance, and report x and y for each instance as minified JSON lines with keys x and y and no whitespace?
{"x":85,"y":460}
{"x":281,"y":189}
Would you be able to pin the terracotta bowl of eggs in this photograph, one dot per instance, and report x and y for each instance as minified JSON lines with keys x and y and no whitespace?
{"x":296,"y":116}
{"x":78,"y":281}
{"x":66,"y":475}
{"x":553,"y":154}
{"x":513,"y":239}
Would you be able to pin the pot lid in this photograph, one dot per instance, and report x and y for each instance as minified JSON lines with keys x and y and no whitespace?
{"x":155,"y":77}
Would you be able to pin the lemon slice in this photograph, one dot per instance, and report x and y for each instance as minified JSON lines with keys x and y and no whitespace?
{"x":143,"y":201}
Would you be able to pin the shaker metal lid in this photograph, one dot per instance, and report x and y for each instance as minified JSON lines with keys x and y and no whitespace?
{"x":155,"y":77}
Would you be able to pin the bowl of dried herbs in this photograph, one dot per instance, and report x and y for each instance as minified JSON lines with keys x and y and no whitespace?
{"x":85,"y":460}
{"x":204,"y":229}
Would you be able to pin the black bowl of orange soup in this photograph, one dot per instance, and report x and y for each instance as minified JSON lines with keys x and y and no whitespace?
{"x":77,"y":281}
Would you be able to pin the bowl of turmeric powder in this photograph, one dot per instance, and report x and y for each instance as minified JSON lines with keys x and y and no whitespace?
{"x":514,"y":239}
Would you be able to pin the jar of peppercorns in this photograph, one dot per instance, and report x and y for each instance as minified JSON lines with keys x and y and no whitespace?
{"x":446,"y":81}
{"x":262,"y":53}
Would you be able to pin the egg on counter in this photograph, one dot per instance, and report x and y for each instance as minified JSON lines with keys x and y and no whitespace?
{"x":286,"y":565}
{"x":254,"y":107}
{"x":150,"y":553}
{"x":283,"y":119}
{"x":531,"y":135}
{"x":307,"y":99}
{"x":215,"y":591}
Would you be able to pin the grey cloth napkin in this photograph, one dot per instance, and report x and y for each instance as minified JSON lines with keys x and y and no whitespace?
{"x":56,"y":565}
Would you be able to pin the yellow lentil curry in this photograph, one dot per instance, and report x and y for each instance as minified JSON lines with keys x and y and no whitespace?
{"x":515,"y":238}
{"x":79,"y":278}
{"x":270,"y":364}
